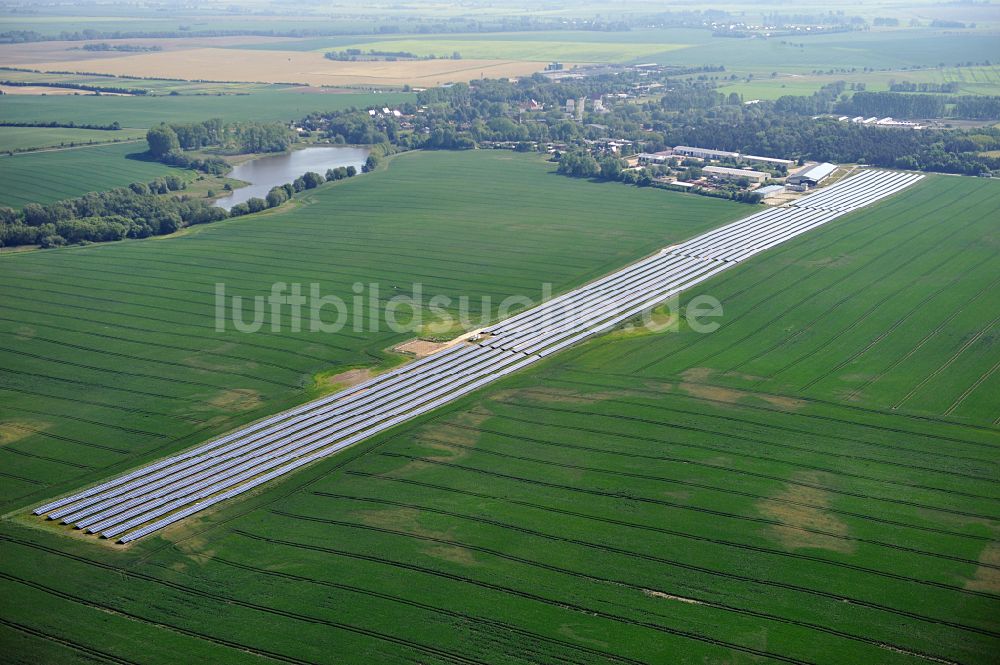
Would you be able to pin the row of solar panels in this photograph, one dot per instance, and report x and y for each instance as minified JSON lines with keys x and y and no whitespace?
{"x":858,"y":191}
{"x":583,"y":312}
{"x":152,"y":497}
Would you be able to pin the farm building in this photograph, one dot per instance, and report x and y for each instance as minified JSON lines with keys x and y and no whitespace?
{"x":661,"y":157}
{"x":704,"y":153}
{"x":725,"y":173}
{"x":770,"y":190}
{"x":812,"y":175}
{"x":768,"y":160}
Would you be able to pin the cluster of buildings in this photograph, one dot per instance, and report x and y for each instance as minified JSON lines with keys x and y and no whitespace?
{"x":881,"y":122}
{"x":385,"y":112}
{"x":575,"y":107}
{"x":754,"y":180}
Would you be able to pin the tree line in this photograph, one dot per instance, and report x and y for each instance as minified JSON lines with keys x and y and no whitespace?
{"x":904,"y":105}
{"x":908,"y":86}
{"x":78,"y":86}
{"x":279,"y":194}
{"x":111,"y":127}
{"x":138,"y":211}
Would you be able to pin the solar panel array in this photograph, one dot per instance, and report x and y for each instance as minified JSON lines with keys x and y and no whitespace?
{"x":157,"y":495}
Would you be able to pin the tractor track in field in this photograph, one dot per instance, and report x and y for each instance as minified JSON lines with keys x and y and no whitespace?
{"x":101,"y":656}
{"x":724,"y":490}
{"x":567,"y":605}
{"x":227,"y":600}
{"x":948,"y":363}
{"x":84,"y":602}
{"x":729,"y":435}
{"x":968,"y":391}
{"x":718,"y":513}
{"x":809,"y":400}
{"x":788,"y":586}
{"x":895,"y":325}
{"x":865,"y":316}
{"x":430,"y":608}
{"x":726,"y":469}
{"x":187,"y":335}
{"x":776,"y":316}
{"x":91,"y":384}
{"x":806,"y":278}
{"x":154,"y":361}
{"x":786,"y":446}
{"x":152,"y":344}
{"x":742,"y":422}
{"x":207,"y":317}
{"x":531,"y":532}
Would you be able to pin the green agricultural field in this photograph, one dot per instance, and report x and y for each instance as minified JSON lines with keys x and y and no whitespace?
{"x":43,"y":177}
{"x":111,"y":352}
{"x":629,"y":501}
{"x":971,"y":81}
{"x":154,"y":86}
{"x":29,"y":138}
{"x":894,"y":308}
{"x":879,"y":50}
{"x":274,"y":104}
{"x":563,"y":48}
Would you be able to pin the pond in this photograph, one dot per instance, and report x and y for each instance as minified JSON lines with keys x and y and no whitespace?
{"x":266,"y":172}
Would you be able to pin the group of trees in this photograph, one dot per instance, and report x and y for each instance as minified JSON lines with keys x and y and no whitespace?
{"x":240,"y":137}
{"x":894,"y":104}
{"x":136,"y":211}
{"x":907,"y":86}
{"x":125,"y":48}
{"x":280,"y":194}
{"x":904,"y":105}
{"x":354,"y":54}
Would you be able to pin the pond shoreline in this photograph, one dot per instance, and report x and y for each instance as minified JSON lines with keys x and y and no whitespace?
{"x":262,"y":172}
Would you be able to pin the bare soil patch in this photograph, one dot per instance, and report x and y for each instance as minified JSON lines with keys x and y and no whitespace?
{"x":351,"y":377}
{"x":550,"y":395}
{"x":460,"y":429}
{"x":987,"y":579}
{"x":806,"y":517}
{"x":695,"y":384}
{"x":407,"y":519}
{"x":420,"y":348}
{"x":15,"y":430}
{"x":238,"y":399}
{"x":670,"y":596}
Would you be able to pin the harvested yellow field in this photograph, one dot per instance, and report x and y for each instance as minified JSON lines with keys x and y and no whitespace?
{"x":293,"y":67}
{"x":20,"y":55}
{"x":40,"y":90}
